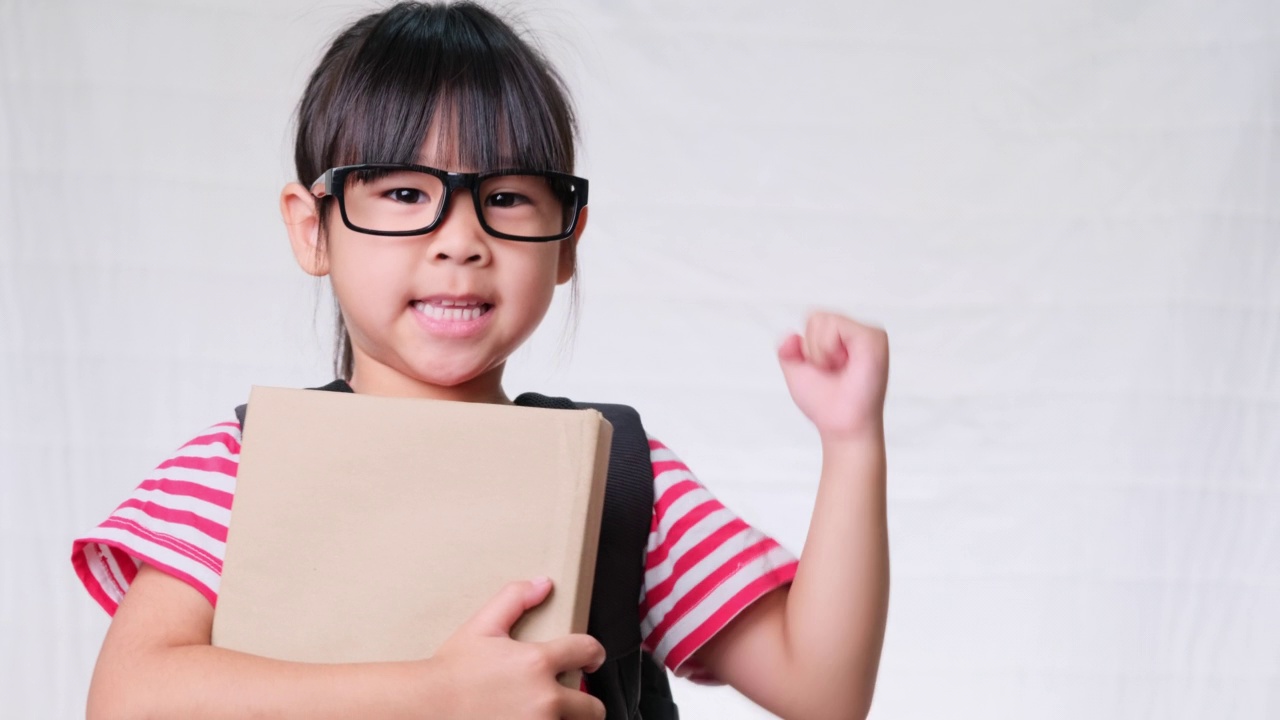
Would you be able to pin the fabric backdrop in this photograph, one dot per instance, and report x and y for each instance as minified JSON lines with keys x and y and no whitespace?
{"x":1065,"y":213}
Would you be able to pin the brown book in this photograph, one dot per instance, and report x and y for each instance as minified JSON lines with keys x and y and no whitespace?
{"x":370,"y":528}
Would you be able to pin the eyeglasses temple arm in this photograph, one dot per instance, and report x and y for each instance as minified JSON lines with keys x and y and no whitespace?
{"x":320,"y":187}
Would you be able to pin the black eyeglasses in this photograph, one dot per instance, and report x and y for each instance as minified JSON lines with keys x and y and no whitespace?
{"x":402,"y":199}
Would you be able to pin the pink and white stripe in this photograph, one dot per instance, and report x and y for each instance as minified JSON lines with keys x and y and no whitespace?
{"x":704,"y":566}
{"x":176,"y":520}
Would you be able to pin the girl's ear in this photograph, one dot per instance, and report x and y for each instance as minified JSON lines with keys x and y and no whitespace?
{"x":569,"y":251}
{"x":302,"y":220}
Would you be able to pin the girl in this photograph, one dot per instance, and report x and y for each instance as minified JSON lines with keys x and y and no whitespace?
{"x":435,"y":155}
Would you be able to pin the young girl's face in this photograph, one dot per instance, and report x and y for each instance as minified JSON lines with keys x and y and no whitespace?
{"x":435,"y":314}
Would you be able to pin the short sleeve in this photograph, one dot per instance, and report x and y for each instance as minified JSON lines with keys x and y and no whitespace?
{"x":704,"y":566}
{"x":176,"y":520}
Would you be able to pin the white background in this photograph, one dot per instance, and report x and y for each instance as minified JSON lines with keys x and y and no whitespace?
{"x":1065,"y":213}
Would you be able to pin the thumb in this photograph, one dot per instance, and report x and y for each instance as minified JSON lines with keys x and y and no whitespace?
{"x":512,"y":601}
{"x":791,"y":350}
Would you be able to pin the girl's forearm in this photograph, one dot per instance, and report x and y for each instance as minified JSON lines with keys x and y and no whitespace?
{"x":838,"y":603}
{"x":204,"y":682}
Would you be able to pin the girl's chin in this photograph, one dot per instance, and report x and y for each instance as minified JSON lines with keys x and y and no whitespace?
{"x":453,"y":377}
{"x":396,"y":372}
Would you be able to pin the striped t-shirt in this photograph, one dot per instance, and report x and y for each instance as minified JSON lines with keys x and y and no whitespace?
{"x":704,"y":565}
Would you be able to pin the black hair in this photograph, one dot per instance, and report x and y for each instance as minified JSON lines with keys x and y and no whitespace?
{"x":386,"y":79}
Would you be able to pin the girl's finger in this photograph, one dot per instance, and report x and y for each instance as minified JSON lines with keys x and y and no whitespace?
{"x":577,"y":705}
{"x":504,"y":609}
{"x":812,"y":350}
{"x":791,"y":350}
{"x":574,"y":652}
{"x":823,"y":342}
{"x":812,"y":328}
{"x":839,"y":344}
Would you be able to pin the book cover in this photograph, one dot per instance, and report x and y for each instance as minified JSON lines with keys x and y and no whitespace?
{"x":369,"y":528}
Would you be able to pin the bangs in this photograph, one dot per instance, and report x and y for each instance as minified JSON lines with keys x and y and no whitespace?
{"x":455,"y":74}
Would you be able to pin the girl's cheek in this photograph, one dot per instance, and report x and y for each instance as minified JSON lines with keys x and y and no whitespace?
{"x":384,"y":263}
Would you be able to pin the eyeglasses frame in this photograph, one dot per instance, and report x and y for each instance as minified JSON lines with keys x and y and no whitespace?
{"x":333,"y":180}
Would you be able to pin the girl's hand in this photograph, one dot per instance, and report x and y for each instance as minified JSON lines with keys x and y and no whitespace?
{"x":837,"y":374}
{"x":492,"y":676}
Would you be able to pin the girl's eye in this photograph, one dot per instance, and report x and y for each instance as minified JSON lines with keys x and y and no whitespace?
{"x":506,"y":199}
{"x":409,"y":196}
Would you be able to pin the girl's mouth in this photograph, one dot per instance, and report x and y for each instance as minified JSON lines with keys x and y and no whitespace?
{"x":452,"y":318}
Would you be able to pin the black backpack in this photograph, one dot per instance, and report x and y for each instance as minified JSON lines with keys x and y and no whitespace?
{"x":631,"y":684}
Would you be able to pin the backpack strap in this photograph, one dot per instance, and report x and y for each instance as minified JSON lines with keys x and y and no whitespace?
{"x":631,"y":684}
{"x":628,"y":513}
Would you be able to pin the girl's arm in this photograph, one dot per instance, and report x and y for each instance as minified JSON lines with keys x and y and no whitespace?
{"x":812,"y":651}
{"x":156,"y":662}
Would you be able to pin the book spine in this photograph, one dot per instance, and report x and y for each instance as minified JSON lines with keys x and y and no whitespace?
{"x":599,"y":435}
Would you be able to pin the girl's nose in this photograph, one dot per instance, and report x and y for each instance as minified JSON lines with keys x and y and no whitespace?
{"x":459,"y":237}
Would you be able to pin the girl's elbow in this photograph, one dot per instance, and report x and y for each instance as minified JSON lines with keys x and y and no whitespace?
{"x":847,"y":711}
{"x":848,"y":701}
{"x":105,"y":706}
{"x":108,"y":704}
{"x":860,"y":701}
{"x":116,"y":694}
{"x":118,"y":706}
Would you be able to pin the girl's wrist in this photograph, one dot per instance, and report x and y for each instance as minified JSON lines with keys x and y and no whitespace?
{"x":855,"y":443}
{"x":429,"y":688}
{"x":858,"y":433}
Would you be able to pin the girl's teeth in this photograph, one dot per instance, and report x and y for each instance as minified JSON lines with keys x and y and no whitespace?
{"x":449,"y":310}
